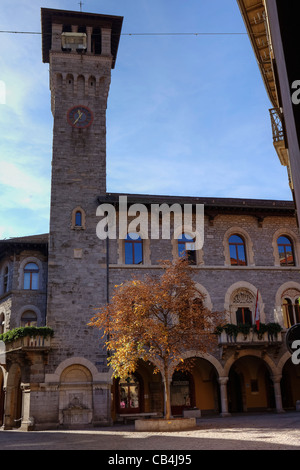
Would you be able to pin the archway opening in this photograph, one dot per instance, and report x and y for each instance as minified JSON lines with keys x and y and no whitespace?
{"x":196,"y":388}
{"x":290,"y":385}
{"x":250,"y":387}
{"x":13,"y":406}
{"x":140,"y":392}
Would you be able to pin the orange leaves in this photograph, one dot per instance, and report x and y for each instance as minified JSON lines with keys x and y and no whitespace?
{"x":156,"y":318}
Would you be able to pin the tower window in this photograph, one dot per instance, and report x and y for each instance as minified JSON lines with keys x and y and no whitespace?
{"x":31,"y":276}
{"x":96,"y":41}
{"x":78,"y":219}
{"x":237,"y":251}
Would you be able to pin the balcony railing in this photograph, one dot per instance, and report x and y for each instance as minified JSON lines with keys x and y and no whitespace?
{"x":277,"y":124}
{"x":26,"y":339}
{"x":268,"y":334}
{"x":279,"y":140}
{"x":36,"y":343}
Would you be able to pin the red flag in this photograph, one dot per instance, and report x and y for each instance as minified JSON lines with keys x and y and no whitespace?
{"x":257,"y":313}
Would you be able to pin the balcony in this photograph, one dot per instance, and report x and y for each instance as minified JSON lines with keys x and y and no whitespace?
{"x":279,"y":136}
{"x":27,"y":339}
{"x":238,"y":337}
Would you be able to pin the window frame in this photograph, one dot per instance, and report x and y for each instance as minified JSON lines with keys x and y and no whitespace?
{"x":133,"y":381}
{"x":34,"y":315}
{"x":236,"y":245}
{"x":284,"y":245}
{"x":291,"y":311}
{"x":31,"y":272}
{"x":133,"y":243}
{"x":74,"y":224}
{"x":191,"y":254}
{"x":244,"y":322}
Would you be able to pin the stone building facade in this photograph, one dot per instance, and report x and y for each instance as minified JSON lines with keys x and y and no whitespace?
{"x":58,"y":279}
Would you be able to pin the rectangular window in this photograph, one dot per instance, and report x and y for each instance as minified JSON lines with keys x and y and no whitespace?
{"x":244,"y":316}
{"x":34,"y":281}
{"x":128,"y":253}
{"x":254,"y":386}
{"x":133,"y":249}
{"x":27,"y":277}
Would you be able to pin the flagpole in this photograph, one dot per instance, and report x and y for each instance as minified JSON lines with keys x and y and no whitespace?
{"x":257,"y":313}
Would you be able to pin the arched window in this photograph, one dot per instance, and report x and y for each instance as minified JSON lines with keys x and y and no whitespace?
{"x":78,"y":219}
{"x":237,"y":251}
{"x":291,"y":311}
{"x":186,"y":247}
{"x":133,"y":249}
{"x":31,"y":276}
{"x":286,"y":252}
{"x":242,"y":307}
{"x":29,"y":318}
{"x":5,"y":280}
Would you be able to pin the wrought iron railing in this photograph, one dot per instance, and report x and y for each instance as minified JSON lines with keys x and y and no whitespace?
{"x":277,"y":124}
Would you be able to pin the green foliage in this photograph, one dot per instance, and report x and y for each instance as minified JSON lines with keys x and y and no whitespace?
{"x":22,"y":332}
{"x":232,"y":330}
{"x":244,"y":328}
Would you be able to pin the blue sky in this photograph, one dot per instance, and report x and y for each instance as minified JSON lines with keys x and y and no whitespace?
{"x":187,"y":114}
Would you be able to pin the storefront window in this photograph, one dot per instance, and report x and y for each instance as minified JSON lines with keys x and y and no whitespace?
{"x":129,"y":394}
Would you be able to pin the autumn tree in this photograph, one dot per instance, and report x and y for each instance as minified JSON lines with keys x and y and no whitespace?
{"x":156,"y":319}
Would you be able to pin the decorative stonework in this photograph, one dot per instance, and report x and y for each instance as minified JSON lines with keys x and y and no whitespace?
{"x":243,"y":297}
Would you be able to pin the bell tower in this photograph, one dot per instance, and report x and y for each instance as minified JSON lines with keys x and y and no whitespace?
{"x":81,"y":50}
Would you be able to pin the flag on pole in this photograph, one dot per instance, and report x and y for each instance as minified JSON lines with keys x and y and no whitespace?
{"x":257,"y":313}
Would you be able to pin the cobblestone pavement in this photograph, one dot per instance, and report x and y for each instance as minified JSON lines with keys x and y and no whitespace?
{"x":243,"y":432}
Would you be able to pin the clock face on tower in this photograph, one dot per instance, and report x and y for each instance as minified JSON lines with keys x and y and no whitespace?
{"x":80,"y":117}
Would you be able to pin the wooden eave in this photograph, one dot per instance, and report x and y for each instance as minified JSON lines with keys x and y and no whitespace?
{"x":255,"y":18}
{"x":17,"y":245}
{"x":258,"y":208}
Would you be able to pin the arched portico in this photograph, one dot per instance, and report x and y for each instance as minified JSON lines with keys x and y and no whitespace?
{"x":253,"y":382}
{"x":290,"y":381}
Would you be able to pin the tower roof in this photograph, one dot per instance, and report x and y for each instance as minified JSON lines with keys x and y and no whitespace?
{"x":49,"y":16}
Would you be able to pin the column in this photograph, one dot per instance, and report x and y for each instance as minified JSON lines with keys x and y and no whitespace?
{"x":56,"y":37}
{"x":223,"y":390}
{"x":8,"y":418}
{"x":89,"y":31}
{"x":277,"y":392}
{"x":106,"y":41}
{"x":27,"y":422}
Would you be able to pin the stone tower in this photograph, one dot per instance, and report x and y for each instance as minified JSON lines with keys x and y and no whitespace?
{"x":81,"y":50}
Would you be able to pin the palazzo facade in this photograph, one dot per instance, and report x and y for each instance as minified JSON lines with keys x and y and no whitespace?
{"x":56,"y":280}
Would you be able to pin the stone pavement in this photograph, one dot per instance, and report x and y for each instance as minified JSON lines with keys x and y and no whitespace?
{"x":240,"y":432}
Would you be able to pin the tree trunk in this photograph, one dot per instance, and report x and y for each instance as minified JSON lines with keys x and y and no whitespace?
{"x":167,"y":392}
